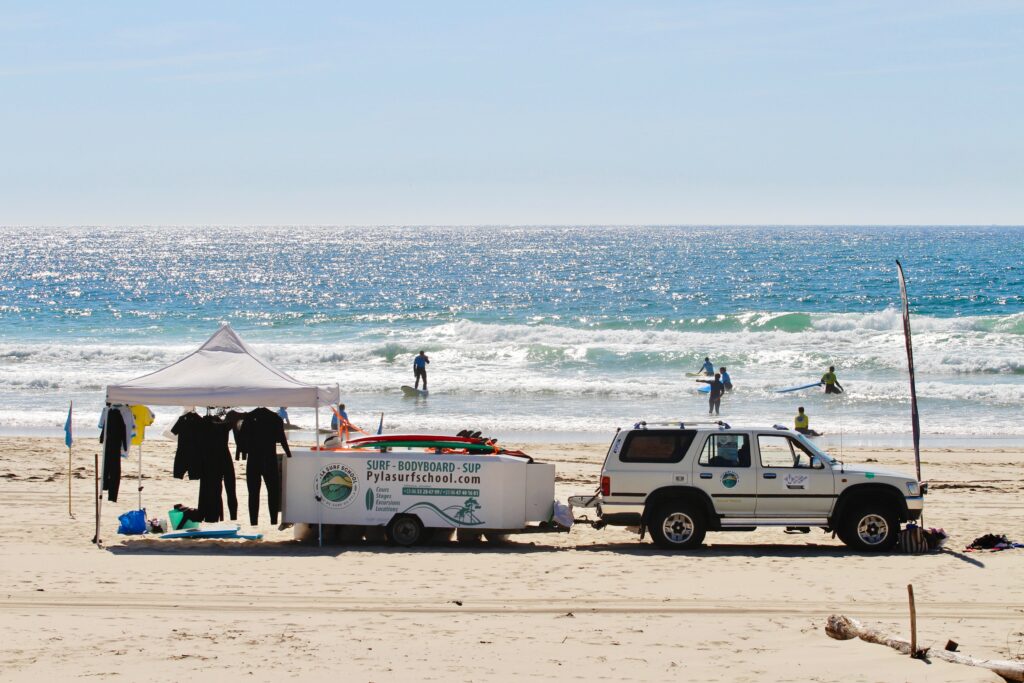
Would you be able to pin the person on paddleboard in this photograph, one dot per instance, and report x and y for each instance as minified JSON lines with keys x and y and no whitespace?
{"x":708,"y":368}
{"x":831,"y":382}
{"x":419,"y":369}
{"x":715,"y":395}
{"x":726,"y":379}
{"x":802,"y":423}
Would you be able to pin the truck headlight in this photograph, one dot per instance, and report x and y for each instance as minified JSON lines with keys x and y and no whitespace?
{"x":912,"y":488}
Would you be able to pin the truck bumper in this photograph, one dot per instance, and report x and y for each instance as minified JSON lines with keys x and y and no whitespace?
{"x":915,"y":505}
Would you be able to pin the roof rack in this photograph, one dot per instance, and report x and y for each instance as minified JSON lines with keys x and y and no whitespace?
{"x":683,"y":424}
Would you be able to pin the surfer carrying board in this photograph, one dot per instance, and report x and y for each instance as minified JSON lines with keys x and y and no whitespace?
{"x":831,"y":382}
{"x":419,"y":369}
{"x":715,"y":395}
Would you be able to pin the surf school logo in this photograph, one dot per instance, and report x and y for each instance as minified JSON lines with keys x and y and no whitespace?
{"x":336,"y":486}
{"x":730,"y":479}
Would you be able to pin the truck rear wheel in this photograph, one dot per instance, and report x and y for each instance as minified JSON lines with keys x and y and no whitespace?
{"x":405,"y":530}
{"x":869,"y":527}
{"x":677,"y":525}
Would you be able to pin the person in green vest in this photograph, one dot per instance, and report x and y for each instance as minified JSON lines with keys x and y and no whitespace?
{"x":831,"y":382}
{"x":802,"y":423}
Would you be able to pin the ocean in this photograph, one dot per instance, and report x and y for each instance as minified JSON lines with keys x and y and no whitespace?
{"x":553,"y":332}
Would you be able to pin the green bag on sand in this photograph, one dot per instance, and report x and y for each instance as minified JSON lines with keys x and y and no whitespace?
{"x":175,"y":517}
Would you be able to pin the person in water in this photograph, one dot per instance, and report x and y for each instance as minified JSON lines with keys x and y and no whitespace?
{"x":715,"y":395}
{"x":708,"y":368}
{"x":419,"y":369}
{"x":831,"y":382}
{"x":802,"y":423}
{"x":282,"y":413}
{"x":726,"y":379}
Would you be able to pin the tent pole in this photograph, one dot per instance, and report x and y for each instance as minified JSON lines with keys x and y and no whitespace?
{"x":317,"y":423}
{"x":140,"y":476}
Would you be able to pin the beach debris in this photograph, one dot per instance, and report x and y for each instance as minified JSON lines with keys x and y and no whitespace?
{"x":992,"y":542}
{"x":842,"y":627}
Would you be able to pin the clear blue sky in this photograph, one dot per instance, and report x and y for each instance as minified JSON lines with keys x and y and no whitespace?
{"x":512,"y":112}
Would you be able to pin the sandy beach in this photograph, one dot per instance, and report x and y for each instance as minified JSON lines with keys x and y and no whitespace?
{"x":588,"y":605}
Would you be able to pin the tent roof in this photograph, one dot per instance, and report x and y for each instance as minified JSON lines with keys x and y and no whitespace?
{"x":222,"y":372}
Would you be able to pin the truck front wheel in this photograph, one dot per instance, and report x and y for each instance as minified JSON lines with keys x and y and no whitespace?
{"x":677,"y":525}
{"x":869,"y":527}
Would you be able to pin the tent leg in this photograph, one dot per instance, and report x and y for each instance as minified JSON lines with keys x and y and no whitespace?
{"x":317,"y":428}
{"x":140,"y":476}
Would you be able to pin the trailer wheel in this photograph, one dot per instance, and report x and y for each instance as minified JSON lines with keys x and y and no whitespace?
{"x":405,"y":530}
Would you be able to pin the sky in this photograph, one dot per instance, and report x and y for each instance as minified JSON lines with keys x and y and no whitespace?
{"x":535,"y":113}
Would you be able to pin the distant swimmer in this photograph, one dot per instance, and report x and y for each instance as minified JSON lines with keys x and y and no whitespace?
{"x":726,"y":379}
{"x":708,"y":368}
{"x":419,"y":369}
{"x":831,"y":382}
{"x":802,"y":423}
{"x":715,"y":395}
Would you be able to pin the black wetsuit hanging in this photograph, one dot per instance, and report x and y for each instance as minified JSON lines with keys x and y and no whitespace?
{"x":114,"y":438}
{"x":187,"y":457}
{"x":261,"y":431}
{"x":217,"y":470}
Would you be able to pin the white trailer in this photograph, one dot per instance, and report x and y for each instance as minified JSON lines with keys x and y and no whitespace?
{"x":407,"y":491}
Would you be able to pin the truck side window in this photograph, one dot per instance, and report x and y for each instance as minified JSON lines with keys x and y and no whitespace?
{"x":660,"y":446}
{"x":782,"y":451}
{"x":725,"y":450}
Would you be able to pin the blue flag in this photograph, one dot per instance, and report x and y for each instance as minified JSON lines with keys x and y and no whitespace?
{"x":68,"y":439}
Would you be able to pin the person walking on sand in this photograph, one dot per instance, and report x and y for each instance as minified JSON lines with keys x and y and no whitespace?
{"x":715,"y":396}
{"x":708,"y":368}
{"x":726,"y":379}
{"x":419,"y":369}
{"x":831,"y":382}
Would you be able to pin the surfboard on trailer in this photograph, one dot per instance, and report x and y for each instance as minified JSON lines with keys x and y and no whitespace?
{"x":802,"y":386}
{"x":451,"y":445}
{"x":383,"y":438}
{"x":412,"y":392}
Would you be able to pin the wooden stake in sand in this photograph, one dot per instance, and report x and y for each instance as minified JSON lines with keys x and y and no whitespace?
{"x":914,"y":652}
{"x":845,"y":628}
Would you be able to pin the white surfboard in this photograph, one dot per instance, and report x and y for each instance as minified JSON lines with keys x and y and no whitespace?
{"x":412,"y":392}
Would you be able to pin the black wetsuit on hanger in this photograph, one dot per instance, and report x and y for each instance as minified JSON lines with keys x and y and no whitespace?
{"x":262,"y":430}
{"x":217,"y":470}
{"x":187,"y":457}
{"x":114,"y":438}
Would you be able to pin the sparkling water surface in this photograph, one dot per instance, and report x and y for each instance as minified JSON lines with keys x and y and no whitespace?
{"x":531,"y":331}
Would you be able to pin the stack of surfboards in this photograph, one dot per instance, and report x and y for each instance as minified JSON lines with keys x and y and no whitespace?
{"x":428,"y":441}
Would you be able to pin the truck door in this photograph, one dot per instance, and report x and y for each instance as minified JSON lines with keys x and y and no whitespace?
{"x":789,"y":485}
{"x":724,"y":472}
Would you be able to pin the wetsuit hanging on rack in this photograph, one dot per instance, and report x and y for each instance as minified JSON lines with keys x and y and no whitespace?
{"x":261,"y":431}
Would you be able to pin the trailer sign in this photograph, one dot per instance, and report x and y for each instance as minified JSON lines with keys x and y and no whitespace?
{"x":336,"y":486}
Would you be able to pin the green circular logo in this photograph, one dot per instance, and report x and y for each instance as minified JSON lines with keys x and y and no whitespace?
{"x":730,"y":479}
{"x":336,"y":485}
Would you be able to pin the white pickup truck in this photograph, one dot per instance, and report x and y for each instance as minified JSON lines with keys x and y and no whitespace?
{"x":679,"y":482}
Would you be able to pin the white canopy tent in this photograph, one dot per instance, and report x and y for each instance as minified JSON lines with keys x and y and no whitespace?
{"x":223,"y":372}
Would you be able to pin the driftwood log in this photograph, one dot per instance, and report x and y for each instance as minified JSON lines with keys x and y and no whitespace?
{"x":845,"y":628}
